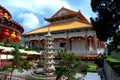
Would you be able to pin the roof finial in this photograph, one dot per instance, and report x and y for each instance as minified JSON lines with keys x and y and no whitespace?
{"x":48,"y":29}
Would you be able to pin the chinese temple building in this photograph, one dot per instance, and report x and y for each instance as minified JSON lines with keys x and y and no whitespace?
{"x":69,"y":29}
{"x":10,"y":30}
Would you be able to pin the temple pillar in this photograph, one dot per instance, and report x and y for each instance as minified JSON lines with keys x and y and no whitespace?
{"x":90,"y":43}
{"x":25,"y":42}
{"x":67,"y":41}
{"x":100,"y":44}
{"x":0,"y":57}
{"x":39,"y":44}
{"x":86,"y":42}
{"x":6,"y":56}
{"x":70,"y":44}
{"x":95,"y":42}
{"x":28,"y":41}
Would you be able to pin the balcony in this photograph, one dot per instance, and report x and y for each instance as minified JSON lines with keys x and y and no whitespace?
{"x":98,"y":51}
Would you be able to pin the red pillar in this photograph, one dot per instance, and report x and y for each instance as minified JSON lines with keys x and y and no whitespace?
{"x":5,"y":76}
{"x":39,"y":43}
{"x":100,"y":44}
{"x":67,"y":41}
{"x":90,"y":42}
{"x":70,"y":44}
{"x":25,"y":42}
{"x":28,"y":41}
{"x":6,"y":56}
{"x":86,"y":42}
{"x":0,"y":57}
{"x":95,"y":42}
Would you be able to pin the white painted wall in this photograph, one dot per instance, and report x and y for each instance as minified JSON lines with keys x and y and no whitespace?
{"x":78,"y":46}
{"x":91,"y":48}
{"x":56,"y":46}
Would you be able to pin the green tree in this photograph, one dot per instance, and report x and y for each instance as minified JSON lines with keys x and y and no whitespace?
{"x":17,"y":59}
{"x":112,"y":46}
{"x":107,"y":21}
{"x":116,"y":38}
{"x":67,"y":65}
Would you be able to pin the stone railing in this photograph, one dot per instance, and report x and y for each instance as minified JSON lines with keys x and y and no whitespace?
{"x":80,"y":51}
{"x":4,"y":76}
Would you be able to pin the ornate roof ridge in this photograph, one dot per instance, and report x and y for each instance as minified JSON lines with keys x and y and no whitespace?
{"x":66,"y":12}
{"x":63,"y":8}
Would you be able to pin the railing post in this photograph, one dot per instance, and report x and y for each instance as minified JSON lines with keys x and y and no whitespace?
{"x":5,"y":76}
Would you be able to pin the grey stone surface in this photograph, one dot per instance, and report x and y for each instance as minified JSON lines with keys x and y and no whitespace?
{"x":110,"y":74}
{"x":116,"y":54}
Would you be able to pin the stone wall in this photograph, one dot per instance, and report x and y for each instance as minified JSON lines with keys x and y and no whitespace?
{"x":116,"y":54}
{"x":110,"y":74}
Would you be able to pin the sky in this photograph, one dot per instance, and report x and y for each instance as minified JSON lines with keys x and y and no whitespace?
{"x":31,"y":13}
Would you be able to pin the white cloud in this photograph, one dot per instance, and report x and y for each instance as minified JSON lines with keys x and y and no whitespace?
{"x":29,"y":20}
{"x":36,"y":6}
{"x":26,"y":10}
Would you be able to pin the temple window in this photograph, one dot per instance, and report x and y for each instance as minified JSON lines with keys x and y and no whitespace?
{"x":62,"y":44}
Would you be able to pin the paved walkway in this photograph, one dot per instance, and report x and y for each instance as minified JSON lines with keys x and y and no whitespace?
{"x":101,"y":73}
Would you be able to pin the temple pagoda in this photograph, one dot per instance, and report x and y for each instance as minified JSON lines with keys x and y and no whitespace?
{"x":69,"y":29}
{"x":49,"y":58}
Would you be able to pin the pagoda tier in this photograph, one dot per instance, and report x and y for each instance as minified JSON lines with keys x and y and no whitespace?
{"x":49,"y":56}
{"x":10,"y":30}
{"x":4,"y":12}
{"x":50,"y":52}
{"x":49,"y":59}
{"x":50,"y":43}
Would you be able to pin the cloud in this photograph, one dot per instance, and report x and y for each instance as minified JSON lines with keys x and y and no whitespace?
{"x":31,"y":13}
{"x":29,"y":20}
{"x":36,"y":6}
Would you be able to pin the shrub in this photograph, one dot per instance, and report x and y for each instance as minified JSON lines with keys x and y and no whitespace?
{"x":39,"y":73}
{"x":1,"y":69}
{"x":91,"y":67}
{"x":112,"y":59}
{"x":5,"y":67}
{"x":71,"y":78}
{"x":32,"y":79}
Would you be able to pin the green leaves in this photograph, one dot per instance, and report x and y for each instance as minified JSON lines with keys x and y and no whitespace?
{"x":17,"y":56}
{"x":68,"y":63}
{"x":108,"y":18}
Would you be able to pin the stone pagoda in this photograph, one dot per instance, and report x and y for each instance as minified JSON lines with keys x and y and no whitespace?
{"x":49,"y":58}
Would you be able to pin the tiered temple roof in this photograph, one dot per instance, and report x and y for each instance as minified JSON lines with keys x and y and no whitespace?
{"x":69,"y":20}
{"x":59,"y":27}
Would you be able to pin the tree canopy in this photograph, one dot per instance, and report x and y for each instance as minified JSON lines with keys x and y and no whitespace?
{"x":107,"y":21}
{"x":67,"y":65}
